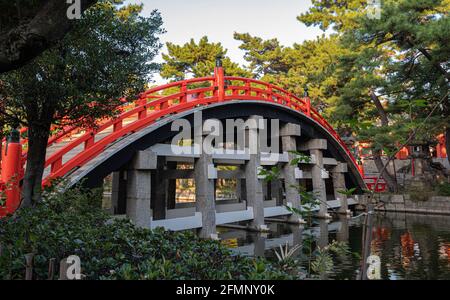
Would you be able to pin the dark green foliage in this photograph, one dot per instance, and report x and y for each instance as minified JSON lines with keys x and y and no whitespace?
{"x":106,"y":57}
{"x":443,"y":189}
{"x":72,"y":224}
{"x":197,"y":60}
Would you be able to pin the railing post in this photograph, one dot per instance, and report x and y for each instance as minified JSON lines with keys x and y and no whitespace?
{"x":142,"y":102}
{"x":308,"y":102}
{"x":10,"y":171}
{"x":219,"y":80}
{"x":248,"y":87}
{"x":183,"y":91}
{"x":269,"y":93}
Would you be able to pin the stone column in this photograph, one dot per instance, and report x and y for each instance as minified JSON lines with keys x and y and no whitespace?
{"x":260,"y":244}
{"x":253,"y":184}
{"x":343,"y":233}
{"x":115,"y":192}
{"x":289,"y":132}
{"x":119,"y":192}
{"x":240,"y":189}
{"x":254,"y":190}
{"x":338,"y":174}
{"x":139,"y":188}
{"x":171,"y":187}
{"x":315,"y":146}
{"x":205,"y":174}
{"x":277,"y":192}
{"x":297,"y":236}
{"x":159,"y":195}
{"x":322,"y":241}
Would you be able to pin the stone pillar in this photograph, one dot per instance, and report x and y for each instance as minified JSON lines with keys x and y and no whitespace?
{"x":159,"y":195}
{"x":139,"y":188}
{"x":253,"y":184}
{"x":315,"y":147}
{"x":343,"y":233}
{"x":289,"y":132}
{"x":297,"y":236}
{"x":205,"y":174}
{"x":267,"y":191}
{"x":171,"y":187}
{"x":119,"y":192}
{"x":239,"y":190}
{"x":322,"y":241}
{"x":115,"y":192}
{"x":254,"y":190}
{"x":260,"y":244}
{"x":338,"y":174}
{"x":277,"y":192}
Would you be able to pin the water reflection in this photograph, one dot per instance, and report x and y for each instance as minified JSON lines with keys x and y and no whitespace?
{"x":322,"y":240}
{"x":342,"y":233}
{"x":410,"y":246}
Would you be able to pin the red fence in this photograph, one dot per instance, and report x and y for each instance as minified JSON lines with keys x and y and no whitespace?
{"x":370,"y":182}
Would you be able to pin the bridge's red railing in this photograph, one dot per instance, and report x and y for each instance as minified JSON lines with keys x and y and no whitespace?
{"x":164,"y":100}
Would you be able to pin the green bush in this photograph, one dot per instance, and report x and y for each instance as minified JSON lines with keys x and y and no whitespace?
{"x":444,"y":189}
{"x":73,"y":224}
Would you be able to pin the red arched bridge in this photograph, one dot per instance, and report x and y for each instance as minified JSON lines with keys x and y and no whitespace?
{"x":133,"y":150}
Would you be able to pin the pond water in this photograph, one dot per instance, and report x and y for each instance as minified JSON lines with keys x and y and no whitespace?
{"x":410,"y":246}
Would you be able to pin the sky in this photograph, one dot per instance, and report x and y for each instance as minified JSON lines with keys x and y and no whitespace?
{"x":219,"y":19}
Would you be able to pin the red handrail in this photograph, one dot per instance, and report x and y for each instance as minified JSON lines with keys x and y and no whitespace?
{"x":147,"y":111}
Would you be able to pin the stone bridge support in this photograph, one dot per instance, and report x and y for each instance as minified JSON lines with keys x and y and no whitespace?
{"x":118,"y":193}
{"x":205,"y":174}
{"x":338,"y":175}
{"x":253,"y":182}
{"x":289,"y":133}
{"x":343,"y":233}
{"x":160,"y":189}
{"x":319,"y":174}
{"x":139,"y":188}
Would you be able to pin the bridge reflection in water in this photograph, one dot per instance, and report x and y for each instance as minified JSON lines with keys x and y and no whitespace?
{"x":263,"y":244}
{"x":410,"y":246}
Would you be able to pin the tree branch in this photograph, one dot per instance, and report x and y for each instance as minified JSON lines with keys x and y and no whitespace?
{"x":48,"y":25}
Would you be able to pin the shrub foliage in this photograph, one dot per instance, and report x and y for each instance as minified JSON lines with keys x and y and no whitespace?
{"x":72,"y":223}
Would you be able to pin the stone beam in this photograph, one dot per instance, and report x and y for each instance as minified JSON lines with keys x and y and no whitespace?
{"x":314,"y":144}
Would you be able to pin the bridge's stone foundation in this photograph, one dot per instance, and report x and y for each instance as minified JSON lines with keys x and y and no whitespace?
{"x":146,"y":188}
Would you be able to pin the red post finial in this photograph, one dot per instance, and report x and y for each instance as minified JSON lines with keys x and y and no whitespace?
{"x":219,"y":80}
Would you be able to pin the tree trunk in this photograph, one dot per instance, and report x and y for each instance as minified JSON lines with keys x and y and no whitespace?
{"x":380,"y":109}
{"x":37,"y":149}
{"x":390,"y":179}
{"x":38,"y":30}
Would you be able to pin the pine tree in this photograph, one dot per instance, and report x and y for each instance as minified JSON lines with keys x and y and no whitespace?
{"x":197,"y":60}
